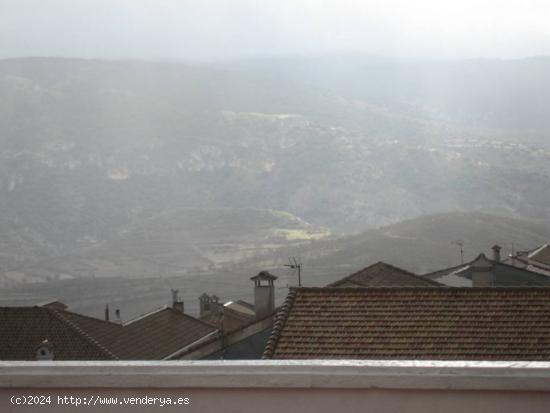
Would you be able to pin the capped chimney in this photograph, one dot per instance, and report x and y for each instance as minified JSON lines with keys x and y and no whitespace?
{"x":496,"y":253}
{"x":107,"y":312}
{"x":216,"y":306}
{"x":117,"y":316}
{"x":264,"y":293}
{"x":177,"y":302}
{"x":204,"y":305}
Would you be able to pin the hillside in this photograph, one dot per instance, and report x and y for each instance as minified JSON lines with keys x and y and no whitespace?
{"x":107,"y":159}
{"x":490,"y":93}
{"x":174,"y":243}
{"x":420,"y":245}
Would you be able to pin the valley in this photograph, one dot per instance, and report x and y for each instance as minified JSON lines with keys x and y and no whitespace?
{"x":122,"y":179}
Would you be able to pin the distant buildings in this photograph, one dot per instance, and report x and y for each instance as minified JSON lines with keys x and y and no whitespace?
{"x":384,"y":312}
{"x":243,"y":327}
{"x":485,"y":272}
{"x":379,"y":312}
{"x":51,"y":332}
{"x":231,"y":330}
{"x":233,"y":314}
{"x":536,"y":260}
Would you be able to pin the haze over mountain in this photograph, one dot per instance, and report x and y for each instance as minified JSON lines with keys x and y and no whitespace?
{"x":135,"y":169}
{"x":214,"y":30}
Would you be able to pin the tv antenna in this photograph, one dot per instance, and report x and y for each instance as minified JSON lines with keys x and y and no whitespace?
{"x":461,"y":246}
{"x":295,"y":265}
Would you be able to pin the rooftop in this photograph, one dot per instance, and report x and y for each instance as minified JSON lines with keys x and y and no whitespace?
{"x":23,"y":329}
{"x":153,"y":336}
{"x":421,"y":323}
{"x":382,"y":274}
{"x":541,"y":254}
{"x":505,"y":274}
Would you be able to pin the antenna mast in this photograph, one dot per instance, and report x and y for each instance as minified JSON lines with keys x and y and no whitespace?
{"x":461,"y":245}
{"x":295,"y":265}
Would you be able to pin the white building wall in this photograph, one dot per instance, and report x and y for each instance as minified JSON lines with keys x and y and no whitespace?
{"x":271,"y":386}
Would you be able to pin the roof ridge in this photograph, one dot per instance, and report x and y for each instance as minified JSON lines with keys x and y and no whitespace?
{"x":190,"y":317}
{"x":91,"y":318}
{"x":533,"y":274}
{"x":451,"y":268}
{"x":82,"y":332}
{"x":537,"y":250}
{"x":163,"y":308}
{"x":142,"y":316}
{"x":429,"y":288}
{"x":349,"y":278}
{"x":280,"y":321}
{"x":435,"y":283}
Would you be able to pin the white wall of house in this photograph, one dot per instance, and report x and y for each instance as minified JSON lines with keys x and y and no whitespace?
{"x":276,"y":386}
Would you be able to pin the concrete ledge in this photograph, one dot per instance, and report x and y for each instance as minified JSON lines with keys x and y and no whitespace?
{"x":312,"y":374}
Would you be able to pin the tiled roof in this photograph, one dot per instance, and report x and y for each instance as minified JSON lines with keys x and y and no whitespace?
{"x":541,"y":254}
{"x":222,"y":335}
{"x":413,"y":323}
{"x":153,"y":336}
{"x":102,"y":331}
{"x":158,"y":335}
{"x":537,"y":260}
{"x":382,"y":274}
{"x":213,"y":318}
{"x":22,"y":329}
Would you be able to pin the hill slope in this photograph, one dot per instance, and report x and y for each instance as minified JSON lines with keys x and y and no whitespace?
{"x":420,"y":245}
{"x":90,"y":148}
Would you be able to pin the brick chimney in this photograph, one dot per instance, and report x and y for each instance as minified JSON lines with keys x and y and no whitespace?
{"x":177,"y":302}
{"x":264,"y":294}
{"x":496,"y":253}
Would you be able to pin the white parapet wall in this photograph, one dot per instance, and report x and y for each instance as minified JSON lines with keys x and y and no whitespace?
{"x":276,"y":386}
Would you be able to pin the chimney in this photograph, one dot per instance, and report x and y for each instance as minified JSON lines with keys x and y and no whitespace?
{"x":117,"y":315}
{"x":264,"y":294}
{"x":482,"y":272}
{"x":204,"y":305}
{"x":107,"y":312}
{"x":215,"y":305}
{"x":496,"y":253}
{"x":44,"y":351}
{"x":177,"y":303}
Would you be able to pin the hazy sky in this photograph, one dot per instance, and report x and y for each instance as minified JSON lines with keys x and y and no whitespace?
{"x":206,"y":29}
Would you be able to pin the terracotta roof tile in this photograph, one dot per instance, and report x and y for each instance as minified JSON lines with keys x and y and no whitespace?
{"x":413,"y":323}
{"x":154,"y":336}
{"x":382,"y":274}
{"x":22,"y":329}
{"x":158,"y":335}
